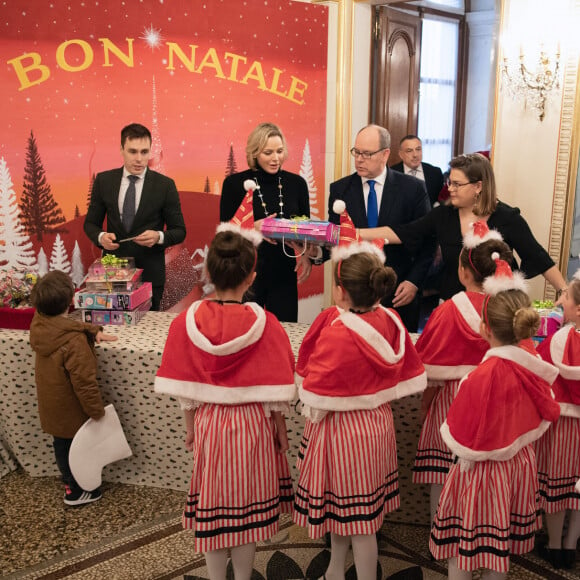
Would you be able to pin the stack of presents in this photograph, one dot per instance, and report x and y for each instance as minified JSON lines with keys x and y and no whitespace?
{"x":113,"y":292}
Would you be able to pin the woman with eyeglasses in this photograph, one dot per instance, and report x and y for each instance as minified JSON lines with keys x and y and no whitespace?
{"x":472,"y":197}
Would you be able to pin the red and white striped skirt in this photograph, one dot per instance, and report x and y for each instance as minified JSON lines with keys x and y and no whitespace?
{"x":487,"y":513}
{"x":434,"y":459}
{"x":239,"y":483}
{"x":558,"y":456}
{"x":349,"y":478}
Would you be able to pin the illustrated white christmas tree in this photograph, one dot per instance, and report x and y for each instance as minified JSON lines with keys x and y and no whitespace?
{"x":16,"y":251}
{"x":59,"y":258}
{"x":307,"y":173}
{"x":42,"y":263}
{"x":78,"y":271}
{"x":216,"y":187}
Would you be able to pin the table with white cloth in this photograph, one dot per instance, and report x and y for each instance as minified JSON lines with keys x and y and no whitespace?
{"x":153,"y":423}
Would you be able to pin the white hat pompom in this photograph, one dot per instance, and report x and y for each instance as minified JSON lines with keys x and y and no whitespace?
{"x":250,"y":185}
{"x":338,"y":206}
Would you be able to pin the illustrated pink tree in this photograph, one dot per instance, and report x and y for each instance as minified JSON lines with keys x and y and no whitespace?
{"x":308,"y":174}
{"x":16,"y":251}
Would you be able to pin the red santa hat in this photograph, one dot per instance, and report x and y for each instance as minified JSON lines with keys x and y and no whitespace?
{"x":503,"y":278}
{"x":478,"y":233}
{"x":349,"y":241}
{"x":243,"y":220}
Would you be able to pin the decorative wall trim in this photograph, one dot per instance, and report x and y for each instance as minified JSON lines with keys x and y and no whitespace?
{"x":565,"y":177}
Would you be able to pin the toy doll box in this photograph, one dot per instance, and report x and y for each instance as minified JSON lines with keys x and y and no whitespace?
{"x":116,"y":317}
{"x":301,"y":230}
{"x":115,"y":285}
{"x":115,"y":301}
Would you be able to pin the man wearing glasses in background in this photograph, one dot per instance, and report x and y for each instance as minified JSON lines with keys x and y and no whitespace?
{"x":375,"y":196}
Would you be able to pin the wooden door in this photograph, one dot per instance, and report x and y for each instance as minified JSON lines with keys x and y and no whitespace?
{"x":395,"y":83}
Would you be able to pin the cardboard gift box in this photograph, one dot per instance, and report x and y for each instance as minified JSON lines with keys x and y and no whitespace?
{"x":111,"y":268}
{"x":131,"y":281}
{"x":302,"y":230}
{"x":116,"y":317}
{"x":128,"y":300}
{"x":16,"y":318}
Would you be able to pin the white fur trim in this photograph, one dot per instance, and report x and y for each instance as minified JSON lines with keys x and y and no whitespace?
{"x":446,"y":373}
{"x":569,"y":410}
{"x":557,"y":347}
{"x":523,"y":358}
{"x":467,"y":311}
{"x":470,"y":240}
{"x":374,"y":338}
{"x":339,"y":253}
{"x":312,"y":414}
{"x":338,"y":206}
{"x":235,"y":345}
{"x":250,"y":185}
{"x":576,"y":275}
{"x":207,"y":393}
{"x":495,"y":284}
{"x":250,"y":234}
{"x":502,"y":454}
{"x":332,"y":403}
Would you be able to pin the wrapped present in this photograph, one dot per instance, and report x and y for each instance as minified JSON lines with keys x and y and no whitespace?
{"x":111,"y":267}
{"x":116,"y":317}
{"x":550,"y":318}
{"x":128,"y":300}
{"x":301,"y":229}
{"x":131,"y":281}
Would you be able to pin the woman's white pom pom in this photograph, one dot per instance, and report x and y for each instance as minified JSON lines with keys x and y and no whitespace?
{"x":250,"y":184}
{"x":338,"y":206}
{"x":495,"y":256}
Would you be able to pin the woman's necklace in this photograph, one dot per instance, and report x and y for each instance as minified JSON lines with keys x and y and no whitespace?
{"x":280,"y":197}
{"x":222,"y":302}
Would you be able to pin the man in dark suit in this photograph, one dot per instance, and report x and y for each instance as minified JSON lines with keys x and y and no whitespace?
{"x":139,"y":204}
{"x":411,"y":153}
{"x":400,"y":199}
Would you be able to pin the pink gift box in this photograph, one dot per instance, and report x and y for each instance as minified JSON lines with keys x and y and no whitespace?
{"x":316,"y":232}
{"x":550,"y":322}
{"x":115,"y":300}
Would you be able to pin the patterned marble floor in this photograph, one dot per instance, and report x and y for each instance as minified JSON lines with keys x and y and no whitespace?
{"x":135,"y":533}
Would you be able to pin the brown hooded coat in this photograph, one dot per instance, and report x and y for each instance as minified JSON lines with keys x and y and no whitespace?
{"x":66,"y":373}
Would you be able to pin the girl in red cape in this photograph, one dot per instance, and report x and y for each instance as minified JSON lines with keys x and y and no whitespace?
{"x":488,"y":506}
{"x":558,"y":451}
{"x":356,"y":358}
{"x":218,"y":361}
{"x":450,"y":346}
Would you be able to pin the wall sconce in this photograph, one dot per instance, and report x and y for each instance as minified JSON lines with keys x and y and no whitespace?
{"x":533,"y":85}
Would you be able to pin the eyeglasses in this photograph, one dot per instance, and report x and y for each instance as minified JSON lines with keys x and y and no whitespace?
{"x":457,"y":185}
{"x":365,"y":154}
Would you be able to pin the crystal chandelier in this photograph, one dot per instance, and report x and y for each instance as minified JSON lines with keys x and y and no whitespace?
{"x":533,"y":85}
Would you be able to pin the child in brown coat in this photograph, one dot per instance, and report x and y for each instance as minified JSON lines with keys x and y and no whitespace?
{"x":65,"y":373}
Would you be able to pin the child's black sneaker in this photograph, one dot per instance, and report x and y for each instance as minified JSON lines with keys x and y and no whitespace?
{"x":80,"y":497}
